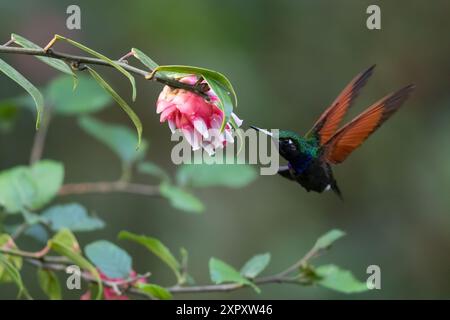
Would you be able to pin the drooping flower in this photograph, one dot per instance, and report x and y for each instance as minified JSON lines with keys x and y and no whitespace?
{"x":200,"y":120}
{"x":110,"y":293}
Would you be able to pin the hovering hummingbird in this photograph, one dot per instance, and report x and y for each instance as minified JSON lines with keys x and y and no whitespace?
{"x":310,"y":157}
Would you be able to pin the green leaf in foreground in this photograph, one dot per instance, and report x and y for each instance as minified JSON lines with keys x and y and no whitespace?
{"x":181,"y":199}
{"x":118,"y":138}
{"x":255,"y":265}
{"x":24,"y":83}
{"x":133,"y":116}
{"x":61,"y":243}
{"x":6,"y":242}
{"x":88,"y":97}
{"x":55,"y":63}
{"x":14,"y":274}
{"x":30,"y":187}
{"x":104,"y":58}
{"x":154,"y":291}
{"x":72,"y":216}
{"x":156,"y":247}
{"x":335,"y":278}
{"x":221,"y":272}
{"x":49,"y":283}
{"x":113,"y":261}
{"x":146,"y":60}
{"x":210,"y":175}
{"x":325,"y":241}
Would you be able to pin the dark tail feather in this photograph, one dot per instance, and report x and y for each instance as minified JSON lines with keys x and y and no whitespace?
{"x":336,"y":190}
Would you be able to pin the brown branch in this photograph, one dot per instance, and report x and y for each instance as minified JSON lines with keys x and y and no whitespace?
{"x":77,"y":60}
{"x":106,"y":187}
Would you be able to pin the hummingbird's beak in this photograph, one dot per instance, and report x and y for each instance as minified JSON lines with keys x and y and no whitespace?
{"x":262,"y":130}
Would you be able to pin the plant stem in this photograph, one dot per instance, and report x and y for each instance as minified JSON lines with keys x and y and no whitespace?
{"x":106,"y":187}
{"x":76,"y":60}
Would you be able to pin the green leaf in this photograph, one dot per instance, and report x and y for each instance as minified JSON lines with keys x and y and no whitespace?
{"x":24,"y":83}
{"x":156,"y":247}
{"x":181,"y":199}
{"x":87,"y":98}
{"x":255,"y":265}
{"x":153,"y":169}
{"x":332,"y":277}
{"x":113,"y":261}
{"x":68,"y":239}
{"x":325,"y":241}
{"x":7,"y":242}
{"x":55,"y":63}
{"x":154,"y":291}
{"x":221,"y":86}
{"x":49,"y":283}
{"x":14,"y":274}
{"x":104,"y":58}
{"x":71,"y":216}
{"x":64,"y":243}
{"x":146,"y":60}
{"x":30,"y":187}
{"x":133,"y":116}
{"x":221,"y":272}
{"x":210,"y":175}
{"x":118,"y":138}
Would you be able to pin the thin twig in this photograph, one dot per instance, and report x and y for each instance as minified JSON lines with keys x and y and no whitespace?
{"x":106,"y":187}
{"x":76,"y":59}
{"x":39,"y":138}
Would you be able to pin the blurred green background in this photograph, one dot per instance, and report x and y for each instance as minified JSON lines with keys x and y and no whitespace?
{"x":287,"y":60}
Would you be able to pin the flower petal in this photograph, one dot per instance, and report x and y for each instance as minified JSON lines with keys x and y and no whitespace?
{"x":201,"y":127}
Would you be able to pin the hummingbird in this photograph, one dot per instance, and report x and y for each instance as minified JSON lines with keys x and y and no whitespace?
{"x":311,"y":156}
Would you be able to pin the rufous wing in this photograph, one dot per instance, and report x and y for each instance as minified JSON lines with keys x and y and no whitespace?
{"x":329,"y":121}
{"x":352,"y":135}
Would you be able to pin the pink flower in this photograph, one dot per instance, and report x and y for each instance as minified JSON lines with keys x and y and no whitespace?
{"x":110,"y":293}
{"x":200,"y":120}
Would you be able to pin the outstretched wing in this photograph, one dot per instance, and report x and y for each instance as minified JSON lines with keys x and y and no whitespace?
{"x":352,"y":135}
{"x":329,"y":121}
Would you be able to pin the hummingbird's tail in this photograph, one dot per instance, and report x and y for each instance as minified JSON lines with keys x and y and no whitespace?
{"x":336,"y":189}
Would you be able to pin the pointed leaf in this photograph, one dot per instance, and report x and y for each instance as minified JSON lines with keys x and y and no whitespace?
{"x":255,"y":265}
{"x":113,"y":261}
{"x":156,"y":247}
{"x":181,"y":199}
{"x":133,"y":116}
{"x":32,"y":187}
{"x":66,"y":245}
{"x":104,"y":58}
{"x":55,"y":63}
{"x":14,"y":274}
{"x":153,"y":169}
{"x":49,"y":283}
{"x":325,"y":241}
{"x":146,"y":60}
{"x":154,"y":291}
{"x":335,"y":278}
{"x":221,"y":272}
{"x":24,"y":83}
{"x":71,"y":216}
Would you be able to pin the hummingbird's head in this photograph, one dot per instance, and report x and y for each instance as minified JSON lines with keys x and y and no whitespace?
{"x":288,"y":142}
